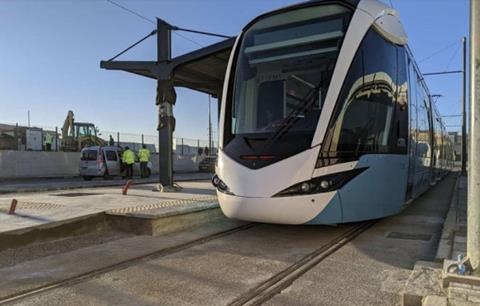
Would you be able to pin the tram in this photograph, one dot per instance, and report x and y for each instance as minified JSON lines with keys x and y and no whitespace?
{"x":325,"y":118}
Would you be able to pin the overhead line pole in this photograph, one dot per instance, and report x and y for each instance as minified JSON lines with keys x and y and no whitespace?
{"x":209,"y":125}
{"x":165,"y":105}
{"x":473,"y":219}
{"x":464,"y":109}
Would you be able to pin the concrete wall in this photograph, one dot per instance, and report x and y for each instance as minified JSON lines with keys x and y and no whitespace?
{"x":31,"y":164}
{"x":25,"y":164}
{"x":181,"y":163}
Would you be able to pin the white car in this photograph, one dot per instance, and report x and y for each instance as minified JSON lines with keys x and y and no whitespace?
{"x":105,"y":162}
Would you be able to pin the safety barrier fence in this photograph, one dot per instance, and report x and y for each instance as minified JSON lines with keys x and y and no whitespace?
{"x":45,"y":138}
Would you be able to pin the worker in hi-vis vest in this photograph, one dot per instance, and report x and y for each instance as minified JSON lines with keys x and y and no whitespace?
{"x":144,"y":156}
{"x":48,"y":142}
{"x":128,"y":158}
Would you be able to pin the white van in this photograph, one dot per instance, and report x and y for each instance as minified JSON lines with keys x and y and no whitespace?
{"x":104,"y":162}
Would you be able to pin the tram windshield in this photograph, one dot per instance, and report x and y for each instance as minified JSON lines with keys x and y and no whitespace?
{"x":283,"y":70}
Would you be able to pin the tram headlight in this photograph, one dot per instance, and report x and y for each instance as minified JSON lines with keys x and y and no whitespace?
{"x":324,"y":184}
{"x":215,"y":180}
{"x":305,"y":187}
{"x":321,"y":184}
{"x":220,"y":185}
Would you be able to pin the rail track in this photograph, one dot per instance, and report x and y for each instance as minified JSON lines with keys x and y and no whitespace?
{"x":269,"y":288}
{"x":120,"y":265}
{"x":255,"y":296}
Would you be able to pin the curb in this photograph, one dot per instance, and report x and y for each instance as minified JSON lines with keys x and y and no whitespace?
{"x":166,"y":223}
{"x":445,"y":245}
{"x":181,"y":219}
{"x":55,"y":230}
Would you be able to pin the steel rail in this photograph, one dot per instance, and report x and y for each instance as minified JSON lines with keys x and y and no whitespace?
{"x":285,"y":278}
{"x":120,"y":265}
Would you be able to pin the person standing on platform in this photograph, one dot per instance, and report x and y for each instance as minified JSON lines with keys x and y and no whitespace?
{"x":128,"y":158}
{"x":144,"y":156}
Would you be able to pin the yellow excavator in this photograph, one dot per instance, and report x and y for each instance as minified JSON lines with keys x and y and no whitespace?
{"x":77,"y":135}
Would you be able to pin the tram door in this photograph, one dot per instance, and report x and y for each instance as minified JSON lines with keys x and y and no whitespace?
{"x":412,"y":131}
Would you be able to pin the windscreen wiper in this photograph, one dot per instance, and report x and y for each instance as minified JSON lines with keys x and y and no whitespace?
{"x":292,"y":118}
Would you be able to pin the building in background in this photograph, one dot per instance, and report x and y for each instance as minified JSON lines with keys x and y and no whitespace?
{"x":23,"y":138}
{"x":456,"y":138}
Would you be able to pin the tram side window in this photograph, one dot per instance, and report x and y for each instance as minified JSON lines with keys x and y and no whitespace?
{"x":364,"y":116}
{"x":423,"y":135}
{"x":437,"y":134}
{"x":413,"y":111}
{"x":400,"y":130}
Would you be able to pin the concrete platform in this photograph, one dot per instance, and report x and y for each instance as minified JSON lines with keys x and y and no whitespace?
{"x":432,"y":283}
{"x":454,"y":234}
{"x":47,"y":215}
{"x":166,"y":217}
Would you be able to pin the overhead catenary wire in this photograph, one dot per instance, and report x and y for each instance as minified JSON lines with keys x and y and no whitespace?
{"x":443,"y":72}
{"x":188,"y":38}
{"x":132,"y":12}
{"x":174,"y":28}
{"x":453,"y":56}
{"x":151,"y":21}
{"x":439,"y":51}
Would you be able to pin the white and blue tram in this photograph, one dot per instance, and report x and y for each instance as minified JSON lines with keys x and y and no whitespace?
{"x":326,"y":118}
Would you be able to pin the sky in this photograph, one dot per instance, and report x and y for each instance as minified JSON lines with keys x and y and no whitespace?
{"x":50,"y":53}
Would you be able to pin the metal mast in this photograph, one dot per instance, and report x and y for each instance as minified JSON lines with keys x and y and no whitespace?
{"x":165,"y":106}
{"x":209,"y":124}
{"x":464,"y":109}
{"x":473,"y":219}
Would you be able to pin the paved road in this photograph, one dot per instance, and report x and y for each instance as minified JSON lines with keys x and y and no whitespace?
{"x":369,"y":270}
{"x":33,"y":185}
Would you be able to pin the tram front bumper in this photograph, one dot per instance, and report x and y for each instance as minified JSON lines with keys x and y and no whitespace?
{"x":282,"y":210}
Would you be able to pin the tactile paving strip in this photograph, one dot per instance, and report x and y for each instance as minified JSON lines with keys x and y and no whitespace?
{"x":164,"y":204}
{"x":31,"y":206}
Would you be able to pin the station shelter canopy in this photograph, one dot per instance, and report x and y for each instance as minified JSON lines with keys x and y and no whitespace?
{"x":201,"y":70}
